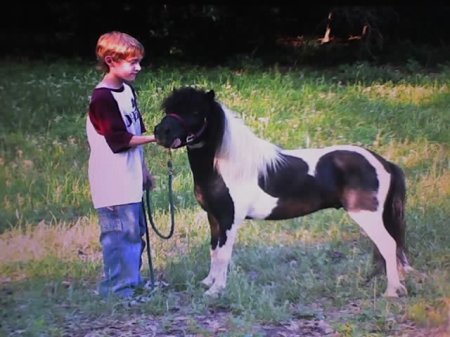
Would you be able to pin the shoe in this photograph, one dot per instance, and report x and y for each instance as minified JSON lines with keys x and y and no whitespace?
{"x":156,"y":284}
{"x":149,"y":285}
{"x":139,"y":299}
{"x":94,"y":292}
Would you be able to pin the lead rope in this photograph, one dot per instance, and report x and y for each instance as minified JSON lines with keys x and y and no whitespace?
{"x":147,"y":204}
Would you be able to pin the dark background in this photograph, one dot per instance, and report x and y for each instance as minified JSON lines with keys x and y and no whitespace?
{"x":212,"y":34}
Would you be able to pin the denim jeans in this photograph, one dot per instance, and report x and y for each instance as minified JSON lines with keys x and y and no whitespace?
{"x":122,"y":229}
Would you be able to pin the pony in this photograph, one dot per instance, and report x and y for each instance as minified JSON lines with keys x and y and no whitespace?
{"x":237,"y":176}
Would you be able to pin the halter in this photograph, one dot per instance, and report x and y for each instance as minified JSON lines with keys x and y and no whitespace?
{"x":191,"y":135}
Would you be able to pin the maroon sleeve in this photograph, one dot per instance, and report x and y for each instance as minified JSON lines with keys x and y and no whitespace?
{"x":107,"y":120}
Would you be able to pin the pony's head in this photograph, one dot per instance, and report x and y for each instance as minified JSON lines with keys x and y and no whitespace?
{"x":194,"y":118}
{"x":186,"y":117}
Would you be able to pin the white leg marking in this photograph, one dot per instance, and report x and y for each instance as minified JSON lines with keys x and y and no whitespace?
{"x":220,"y":260}
{"x":209,"y":280}
{"x":372,"y":224}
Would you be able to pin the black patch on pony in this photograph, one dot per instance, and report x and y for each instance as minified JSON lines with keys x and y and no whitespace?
{"x":342,"y":179}
{"x":196,"y":107}
{"x":298,"y":192}
{"x":349,"y":175}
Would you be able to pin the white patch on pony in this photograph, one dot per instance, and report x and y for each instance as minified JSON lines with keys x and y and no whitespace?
{"x":262,"y":205}
{"x":310,"y":156}
{"x":241,"y":159}
{"x":243,"y":155}
{"x":220,"y":260}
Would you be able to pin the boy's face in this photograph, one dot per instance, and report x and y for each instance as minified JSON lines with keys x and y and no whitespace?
{"x":125,"y":69}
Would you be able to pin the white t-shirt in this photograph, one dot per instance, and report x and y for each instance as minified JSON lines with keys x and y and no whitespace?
{"x":115,"y":169}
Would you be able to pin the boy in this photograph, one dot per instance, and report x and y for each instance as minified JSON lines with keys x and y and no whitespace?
{"x":117,"y":169}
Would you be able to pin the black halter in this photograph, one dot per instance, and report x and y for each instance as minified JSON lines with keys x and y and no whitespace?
{"x":192,"y":136}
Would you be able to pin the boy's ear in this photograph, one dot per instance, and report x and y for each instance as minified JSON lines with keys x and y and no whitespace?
{"x":211,"y":94}
{"x":108,"y":60}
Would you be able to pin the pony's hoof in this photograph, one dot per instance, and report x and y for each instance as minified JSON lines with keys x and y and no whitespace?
{"x":403,"y":271}
{"x":398,"y":291}
{"x":207,"y":282}
{"x":213,"y":292}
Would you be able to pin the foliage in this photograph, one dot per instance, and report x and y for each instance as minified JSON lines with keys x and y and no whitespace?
{"x":215,"y":33}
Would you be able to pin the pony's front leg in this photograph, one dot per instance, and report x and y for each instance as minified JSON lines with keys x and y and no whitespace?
{"x":215,"y":233}
{"x":222,"y":240}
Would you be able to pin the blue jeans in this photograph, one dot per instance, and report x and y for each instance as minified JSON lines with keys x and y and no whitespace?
{"x":122,"y":229}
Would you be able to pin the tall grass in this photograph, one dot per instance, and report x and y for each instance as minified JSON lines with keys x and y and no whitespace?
{"x":314,"y":266}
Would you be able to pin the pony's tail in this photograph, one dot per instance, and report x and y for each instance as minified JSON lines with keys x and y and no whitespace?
{"x":394,"y":219}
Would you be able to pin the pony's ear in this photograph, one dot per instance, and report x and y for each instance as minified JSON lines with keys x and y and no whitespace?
{"x":211,"y":94}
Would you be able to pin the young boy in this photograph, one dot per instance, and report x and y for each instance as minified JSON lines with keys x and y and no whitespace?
{"x":117,"y":169}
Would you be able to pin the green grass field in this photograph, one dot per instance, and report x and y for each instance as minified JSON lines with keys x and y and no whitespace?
{"x":307,"y":274}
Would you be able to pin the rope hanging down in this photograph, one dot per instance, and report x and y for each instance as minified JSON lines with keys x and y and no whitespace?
{"x":147,"y":204}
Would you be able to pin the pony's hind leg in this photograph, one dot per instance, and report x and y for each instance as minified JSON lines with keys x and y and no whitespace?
{"x":394,"y":217}
{"x":372,"y":224}
{"x":403,"y":266}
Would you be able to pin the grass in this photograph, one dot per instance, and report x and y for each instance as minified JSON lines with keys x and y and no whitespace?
{"x":287,"y":272}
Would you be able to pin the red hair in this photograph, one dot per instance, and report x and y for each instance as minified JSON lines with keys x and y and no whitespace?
{"x":118,"y":45}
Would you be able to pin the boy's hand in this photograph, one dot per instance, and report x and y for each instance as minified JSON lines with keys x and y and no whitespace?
{"x":148,"y":180}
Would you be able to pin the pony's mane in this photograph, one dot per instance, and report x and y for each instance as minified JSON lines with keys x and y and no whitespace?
{"x":242,"y":154}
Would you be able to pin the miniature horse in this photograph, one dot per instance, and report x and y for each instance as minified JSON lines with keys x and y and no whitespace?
{"x":238,"y":176}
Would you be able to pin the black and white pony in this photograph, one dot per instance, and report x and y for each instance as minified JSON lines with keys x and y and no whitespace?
{"x":239,"y":176}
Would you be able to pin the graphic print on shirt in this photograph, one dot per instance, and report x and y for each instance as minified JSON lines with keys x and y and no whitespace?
{"x":132,"y":116}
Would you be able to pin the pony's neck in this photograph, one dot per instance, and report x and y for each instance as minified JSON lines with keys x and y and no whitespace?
{"x":201,"y":155}
{"x":241,"y":154}
{"x":231,"y":149}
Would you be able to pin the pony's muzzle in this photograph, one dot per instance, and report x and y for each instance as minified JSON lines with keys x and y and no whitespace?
{"x":164,"y":137}
{"x":161,"y":134}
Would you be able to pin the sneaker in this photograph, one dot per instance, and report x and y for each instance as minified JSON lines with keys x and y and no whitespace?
{"x":157,"y":284}
{"x":139,"y":299}
{"x":94,"y":292}
{"x":149,"y":285}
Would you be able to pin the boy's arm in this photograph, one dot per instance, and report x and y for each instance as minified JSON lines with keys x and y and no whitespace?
{"x":143,"y":139}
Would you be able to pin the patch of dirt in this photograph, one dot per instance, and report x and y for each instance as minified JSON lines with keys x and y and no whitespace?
{"x":216,"y":324}
{"x":425,"y":332}
{"x":399,"y":325}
